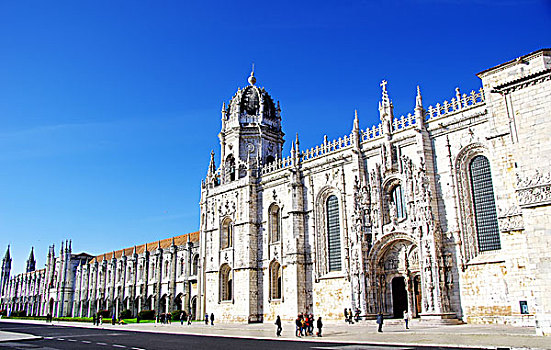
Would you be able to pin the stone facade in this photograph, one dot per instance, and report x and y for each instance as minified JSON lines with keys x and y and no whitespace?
{"x":160,"y":276}
{"x":443,"y":212}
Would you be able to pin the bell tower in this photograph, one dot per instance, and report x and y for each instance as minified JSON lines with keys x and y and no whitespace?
{"x":251,"y":131}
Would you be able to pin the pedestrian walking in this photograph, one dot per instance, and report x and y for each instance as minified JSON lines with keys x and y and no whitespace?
{"x":113,"y":319}
{"x":101,"y":320}
{"x":319,"y":325}
{"x":94,"y":319}
{"x":181,"y":318}
{"x":345,"y":315}
{"x":350,"y":316}
{"x":406,"y":319}
{"x":207,"y":319}
{"x":189,"y":318}
{"x":278,"y":326}
{"x":212,"y":319}
{"x":380,"y":322}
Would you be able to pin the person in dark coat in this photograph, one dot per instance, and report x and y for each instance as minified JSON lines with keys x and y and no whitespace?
{"x":380,"y":322}
{"x":298,"y":323}
{"x":94,"y":319}
{"x":345,"y":315}
{"x":319,"y":325}
{"x":212,"y":319}
{"x":279,"y":328}
{"x":207,"y":319}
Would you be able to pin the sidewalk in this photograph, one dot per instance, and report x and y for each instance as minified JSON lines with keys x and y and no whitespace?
{"x":420,"y":333}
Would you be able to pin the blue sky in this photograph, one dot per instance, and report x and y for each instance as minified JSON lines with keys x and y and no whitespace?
{"x":109,"y":110}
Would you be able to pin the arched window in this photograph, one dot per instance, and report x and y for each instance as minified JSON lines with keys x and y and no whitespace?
{"x":484,"y":204}
{"x":226,"y":282}
{"x":140,"y":272}
{"x":195,"y":265}
{"x":398,"y":202}
{"x":333,"y":234}
{"x":274,"y":224}
{"x":226,"y":234}
{"x":275,"y":280}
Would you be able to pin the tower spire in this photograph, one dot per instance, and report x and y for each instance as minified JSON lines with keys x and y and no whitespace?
{"x":356,"y":127}
{"x":31,"y":262}
{"x":7,"y":256}
{"x":212,"y":165}
{"x":418,"y":99}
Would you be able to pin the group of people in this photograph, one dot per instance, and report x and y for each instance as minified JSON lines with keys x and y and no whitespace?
{"x":304,"y":325}
{"x":185,"y":317}
{"x":211,"y":319}
{"x":348,"y":316}
{"x":97,"y":320}
{"x":164,"y":318}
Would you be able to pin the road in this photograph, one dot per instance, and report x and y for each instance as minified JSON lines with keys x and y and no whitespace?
{"x":57,"y":337}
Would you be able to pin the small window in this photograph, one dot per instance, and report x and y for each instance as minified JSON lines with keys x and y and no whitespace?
{"x":274,"y":224}
{"x":225,"y":283}
{"x":484,"y":204}
{"x":226,"y":234}
{"x":333,"y":234}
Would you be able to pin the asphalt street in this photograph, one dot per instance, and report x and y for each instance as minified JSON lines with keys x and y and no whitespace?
{"x":59,"y":337}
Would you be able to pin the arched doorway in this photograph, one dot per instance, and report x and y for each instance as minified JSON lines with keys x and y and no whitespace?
{"x":417,"y":295}
{"x":162,"y":305}
{"x":399,"y":296}
{"x":194,"y":308}
{"x":178,"y":302}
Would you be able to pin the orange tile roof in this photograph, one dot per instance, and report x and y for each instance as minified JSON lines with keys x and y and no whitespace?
{"x":164,"y":243}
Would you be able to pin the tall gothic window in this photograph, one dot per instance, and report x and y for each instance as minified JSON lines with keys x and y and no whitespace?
{"x":398,"y":202}
{"x":226,"y":234}
{"x":181,"y":266}
{"x":333,"y":234}
{"x":195,"y":266}
{"x":166,"y":268}
{"x":275,"y":280}
{"x":274,"y":227}
{"x":226,"y":283}
{"x":230,"y":168}
{"x":484,"y":204}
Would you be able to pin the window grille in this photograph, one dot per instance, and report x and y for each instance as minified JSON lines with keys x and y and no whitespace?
{"x":398,"y":200}
{"x":195,"y":264}
{"x":333,"y":234}
{"x":274,"y":224}
{"x":484,"y":205}
{"x":275,"y":280}
{"x":226,"y":234}
{"x":225,"y":283}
